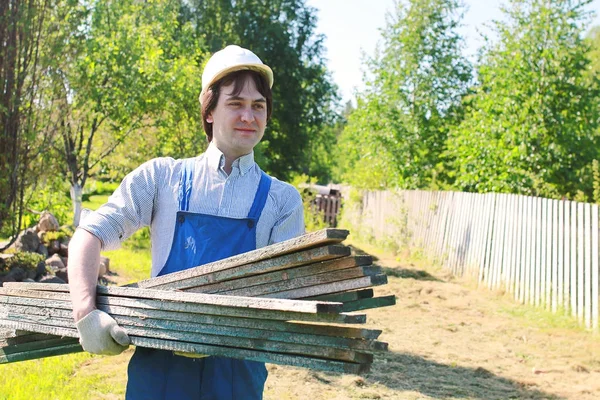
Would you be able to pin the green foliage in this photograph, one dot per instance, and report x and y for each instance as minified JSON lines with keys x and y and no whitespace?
{"x":596,"y":174}
{"x":313,"y":219}
{"x":531,"y":124}
{"x":48,"y":194}
{"x":23,"y":259}
{"x":397,"y":134}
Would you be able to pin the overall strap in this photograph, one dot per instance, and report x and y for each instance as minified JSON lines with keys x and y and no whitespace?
{"x":185,"y":184}
{"x":260,"y":199}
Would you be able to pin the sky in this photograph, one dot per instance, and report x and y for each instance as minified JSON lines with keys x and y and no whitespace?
{"x":352,"y":29}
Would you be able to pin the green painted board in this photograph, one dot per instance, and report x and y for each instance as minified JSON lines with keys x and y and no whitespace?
{"x":365,"y":304}
{"x":41,"y":353}
{"x":204,"y":276}
{"x":279,"y":326}
{"x":36,"y":345}
{"x":306,"y":281}
{"x":282,"y":275}
{"x":309,"y":240}
{"x":190,"y":323}
{"x":246,"y":303}
{"x":191,"y":308}
{"x":248,"y":354}
{"x":170,"y":330}
{"x":254,"y":355}
{"x":334,"y":287}
{"x":344,"y":297}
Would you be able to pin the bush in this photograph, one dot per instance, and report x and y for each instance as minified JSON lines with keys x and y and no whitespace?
{"x":25,"y":260}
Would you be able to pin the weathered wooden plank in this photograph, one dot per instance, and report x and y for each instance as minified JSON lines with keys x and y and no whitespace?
{"x":282,"y":326}
{"x":247,"y":303}
{"x":64,"y":303}
{"x":309,"y":240}
{"x":255,"y":355}
{"x":272,"y":264}
{"x":543,"y":247}
{"x":25,"y":338}
{"x":555,"y":250}
{"x":365,"y":304}
{"x":284,"y":274}
{"x":194,"y":323}
{"x":573,"y":263}
{"x":350,"y":284}
{"x":580,"y":261}
{"x":306,"y":281}
{"x":344,"y":297}
{"x":587,"y":267}
{"x":41,"y":353}
{"x":188,"y":332}
{"x":562,"y":254}
{"x":595,"y":269}
{"x":36,"y":345}
{"x":252,"y":355}
{"x":535,"y":278}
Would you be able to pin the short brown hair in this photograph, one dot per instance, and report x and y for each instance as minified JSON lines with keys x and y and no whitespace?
{"x":210,"y":98}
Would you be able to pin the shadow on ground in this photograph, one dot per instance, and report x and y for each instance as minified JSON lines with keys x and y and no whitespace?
{"x":409,"y":273}
{"x":410,"y":372}
{"x":360,"y":252}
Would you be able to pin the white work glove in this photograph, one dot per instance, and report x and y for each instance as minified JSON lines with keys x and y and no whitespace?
{"x":100,"y":334}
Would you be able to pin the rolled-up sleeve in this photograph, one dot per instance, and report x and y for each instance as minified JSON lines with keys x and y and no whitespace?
{"x":129,"y":208}
{"x":291,"y":221}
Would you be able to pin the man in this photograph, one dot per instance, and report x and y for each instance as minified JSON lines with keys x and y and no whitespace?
{"x":199,"y":210}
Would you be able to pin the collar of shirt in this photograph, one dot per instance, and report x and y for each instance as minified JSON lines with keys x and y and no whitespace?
{"x":216,"y":160}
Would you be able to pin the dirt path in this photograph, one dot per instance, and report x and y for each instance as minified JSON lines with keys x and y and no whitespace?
{"x":452,"y":341}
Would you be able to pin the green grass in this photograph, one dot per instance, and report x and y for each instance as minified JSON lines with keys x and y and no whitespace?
{"x":95,"y":201}
{"x":81,"y":376}
{"x":50,"y":378}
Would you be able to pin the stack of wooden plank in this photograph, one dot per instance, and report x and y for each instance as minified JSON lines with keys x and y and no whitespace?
{"x":312,"y":267}
{"x":232,"y":326}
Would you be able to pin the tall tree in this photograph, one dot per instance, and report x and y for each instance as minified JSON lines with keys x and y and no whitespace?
{"x":531,"y":125}
{"x":21,"y":33}
{"x":281,"y":33}
{"x":398,"y":132}
{"x":120,"y":66}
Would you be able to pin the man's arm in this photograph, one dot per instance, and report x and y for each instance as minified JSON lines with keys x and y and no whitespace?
{"x":98,"y":331}
{"x":84,"y":262}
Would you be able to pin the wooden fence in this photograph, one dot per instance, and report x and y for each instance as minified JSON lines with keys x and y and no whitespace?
{"x":544,"y":252}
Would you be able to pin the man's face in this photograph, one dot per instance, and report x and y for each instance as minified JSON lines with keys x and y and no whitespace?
{"x":238,"y":121}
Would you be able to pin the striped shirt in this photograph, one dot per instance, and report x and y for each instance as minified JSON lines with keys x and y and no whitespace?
{"x":148,"y":196}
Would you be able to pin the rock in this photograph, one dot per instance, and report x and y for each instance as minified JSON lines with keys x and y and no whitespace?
{"x":51,"y":279}
{"x":7,"y":278}
{"x":40,"y":270}
{"x":27,"y":241}
{"x":53,"y":247}
{"x":106,"y":262}
{"x":28,"y":280}
{"x":62,"y":274}
{"x":43,"y":250}
{"x":17,"y":273}
{"x":63,"y":250}
{"x":48,"y":222}
{"x":41,"y":236}
{"x":55,"y":262}
{"x":102,"y":270}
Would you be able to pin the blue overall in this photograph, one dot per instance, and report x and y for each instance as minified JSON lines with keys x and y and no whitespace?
{"x":199,"y":239}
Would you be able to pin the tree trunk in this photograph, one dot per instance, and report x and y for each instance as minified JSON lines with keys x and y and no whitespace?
{"x":76,"y":198}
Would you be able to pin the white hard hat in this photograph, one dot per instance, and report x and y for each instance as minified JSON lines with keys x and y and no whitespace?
{"x":232,"y":58}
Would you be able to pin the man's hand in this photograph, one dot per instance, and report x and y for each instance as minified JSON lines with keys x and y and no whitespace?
{"x":100,"y":334}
